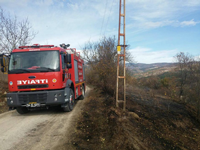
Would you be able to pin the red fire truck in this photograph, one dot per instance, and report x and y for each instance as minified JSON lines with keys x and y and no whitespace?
{"x":43,"y":76}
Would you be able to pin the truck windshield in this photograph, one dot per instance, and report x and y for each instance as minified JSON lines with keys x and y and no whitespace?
{"x":35,"y":61}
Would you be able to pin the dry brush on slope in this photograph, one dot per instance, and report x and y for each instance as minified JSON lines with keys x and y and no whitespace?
{"x":3,"y":89}
{"x":150,"y":122}
{"x":102,"y":63}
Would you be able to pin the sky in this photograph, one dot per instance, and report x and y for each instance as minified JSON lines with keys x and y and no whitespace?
{"x":155,"y":30}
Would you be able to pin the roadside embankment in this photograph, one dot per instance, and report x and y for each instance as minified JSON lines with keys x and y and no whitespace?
{"x":150,"y":122}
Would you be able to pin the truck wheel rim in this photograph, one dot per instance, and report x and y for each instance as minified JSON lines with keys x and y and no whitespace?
{"x":65,"y":95}
{"x":83,"y":92}
{"x":71,"y":100}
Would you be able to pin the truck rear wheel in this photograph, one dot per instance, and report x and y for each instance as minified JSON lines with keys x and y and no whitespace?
{"x":83,"y":93}
{"x":22,"y":110}
{"x":70,"y":105}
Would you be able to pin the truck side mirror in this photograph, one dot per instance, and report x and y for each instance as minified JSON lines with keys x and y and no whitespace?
{"x":3,"y":69}
{"x":65,"y":59}
{"x":3,"y":62}
{"x":68,"y":58}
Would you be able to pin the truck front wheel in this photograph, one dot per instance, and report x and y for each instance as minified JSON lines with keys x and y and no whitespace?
{"x":22,"y":110}
{"x":70,"y":105}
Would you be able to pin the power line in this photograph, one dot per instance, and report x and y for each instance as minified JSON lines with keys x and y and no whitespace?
{"x":109,"y":16}
{"x":104,"y":16}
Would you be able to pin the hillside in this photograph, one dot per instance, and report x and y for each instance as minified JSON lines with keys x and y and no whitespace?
{"x":150,"y":122}
{"x":145,"y":70}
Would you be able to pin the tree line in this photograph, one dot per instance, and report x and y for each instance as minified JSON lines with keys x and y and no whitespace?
{"x":182,"y":84}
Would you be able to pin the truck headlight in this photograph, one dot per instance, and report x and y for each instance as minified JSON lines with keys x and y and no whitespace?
{"x":9,"y":98}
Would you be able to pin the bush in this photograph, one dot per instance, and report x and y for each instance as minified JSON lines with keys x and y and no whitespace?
{"x":102,"y":64}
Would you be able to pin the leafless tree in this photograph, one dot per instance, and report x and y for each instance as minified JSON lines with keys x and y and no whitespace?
{"x":194,"y":86}
{"x":189,"y":74}
{"x":102,"y":61}
{"x":105,"y":49}
{"x":183,"y":60}
{"x":13,"y":32}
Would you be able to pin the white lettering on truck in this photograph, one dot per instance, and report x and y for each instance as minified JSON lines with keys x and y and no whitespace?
{"x":19,"y":82}
{"x":24,"y":82}
{"x":39,"y":81}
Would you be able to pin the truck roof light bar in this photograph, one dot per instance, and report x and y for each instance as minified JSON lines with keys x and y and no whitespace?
{"x":35,"y":46}
{"x":64,"y":45}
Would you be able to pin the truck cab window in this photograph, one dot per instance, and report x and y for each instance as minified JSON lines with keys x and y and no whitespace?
{"x":63,"y":61}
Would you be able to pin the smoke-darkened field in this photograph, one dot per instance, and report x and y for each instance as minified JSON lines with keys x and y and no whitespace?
{"x":150,"y":122}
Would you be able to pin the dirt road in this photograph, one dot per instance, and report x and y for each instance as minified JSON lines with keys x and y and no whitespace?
{"x":37,"y":130}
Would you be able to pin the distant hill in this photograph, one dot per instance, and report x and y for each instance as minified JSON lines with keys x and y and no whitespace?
{"x":144,"y":70}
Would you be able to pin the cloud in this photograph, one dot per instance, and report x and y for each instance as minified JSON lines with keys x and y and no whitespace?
{"x":161,"y":9}
{"x":188,"y":23}
{"x":157,"y":24}
{"x":73,"y":6}
{"x":77,"y":22}
{"x":74,"y":22}
{"x":197,"y":58}
{"x":149,"y":14}
{"x":147,"y":55}
{"x":45,"y":3}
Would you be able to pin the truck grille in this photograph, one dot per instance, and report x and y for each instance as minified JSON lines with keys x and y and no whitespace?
{"x":33,"y":86}
{"x":26,"y":98}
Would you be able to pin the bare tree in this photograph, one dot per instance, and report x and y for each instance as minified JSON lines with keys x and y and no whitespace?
{"x":183,"y":61}
{"x":103,"y":49}
{"x":102,"y":61}
{"x":14,"y":33}
{"x":189,"y":79}
{"x":194,"y":86}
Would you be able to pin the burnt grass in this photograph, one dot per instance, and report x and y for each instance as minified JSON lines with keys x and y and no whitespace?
{"x":161,"y":124}
{"x":101,"y":126}
{"x":165,"y":124}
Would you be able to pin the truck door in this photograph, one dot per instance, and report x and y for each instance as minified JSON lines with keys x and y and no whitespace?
{"x":64,"y":69}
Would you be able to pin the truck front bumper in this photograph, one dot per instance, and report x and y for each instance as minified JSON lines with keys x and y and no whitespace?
{"x":42,"y":98}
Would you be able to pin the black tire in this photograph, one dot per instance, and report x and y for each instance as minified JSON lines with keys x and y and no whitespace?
{"x":22,"y":110}
{"x":70,"y":105}
{"x":83,"y":93}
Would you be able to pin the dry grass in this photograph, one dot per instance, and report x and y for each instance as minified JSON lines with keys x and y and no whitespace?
{"x":3,"y":77}
{"x":164,"y":124}
{"x":101,"y":126}
{"x":3,"y":89}
{"x":147,"y":124}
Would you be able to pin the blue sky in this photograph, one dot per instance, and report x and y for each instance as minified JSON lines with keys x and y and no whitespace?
{"x":155,"y":30}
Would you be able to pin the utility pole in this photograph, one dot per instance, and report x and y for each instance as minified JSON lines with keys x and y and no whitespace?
{"x":121,"y":51}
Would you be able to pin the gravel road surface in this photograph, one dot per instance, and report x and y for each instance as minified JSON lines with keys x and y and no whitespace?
{"x":37,"y":130}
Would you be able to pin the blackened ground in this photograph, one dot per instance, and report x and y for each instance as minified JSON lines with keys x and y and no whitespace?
{"x":101,"y":126}
{"x":165,"y":124}
{"x":161,"y":124}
